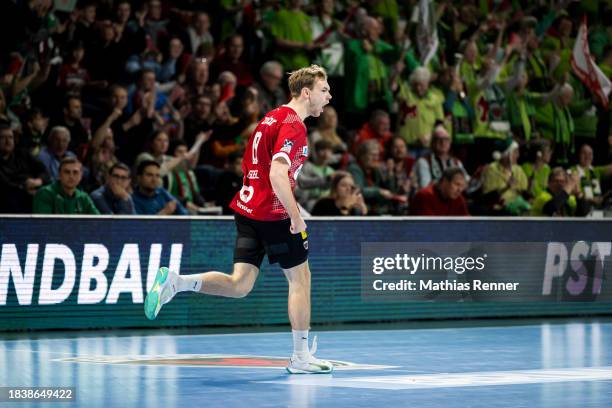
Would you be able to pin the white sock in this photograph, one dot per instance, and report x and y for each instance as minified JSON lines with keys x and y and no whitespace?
{"x":300,"y":342}
{"x":186,"y":283}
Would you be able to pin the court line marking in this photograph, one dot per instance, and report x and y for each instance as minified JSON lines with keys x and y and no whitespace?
{"x":321,"y":333}
{"x":453,"y":380}
{"x":161,"y":360}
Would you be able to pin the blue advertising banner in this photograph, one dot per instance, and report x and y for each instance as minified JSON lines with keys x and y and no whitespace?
{"x":93,"y":272}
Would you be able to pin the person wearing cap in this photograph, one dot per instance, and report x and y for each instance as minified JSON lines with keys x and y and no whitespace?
{"x":505,"y":179}
{"x":430,"y":167}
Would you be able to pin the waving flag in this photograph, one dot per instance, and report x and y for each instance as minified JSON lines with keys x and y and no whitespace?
{"x":427,"y":33}
{"x":585,"y":68}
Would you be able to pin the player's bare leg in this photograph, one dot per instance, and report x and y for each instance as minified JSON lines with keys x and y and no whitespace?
{"x":303,"y":360}
{"x":236,"y":285}
{"x":167,"y":284}
{"x":299,"y":296}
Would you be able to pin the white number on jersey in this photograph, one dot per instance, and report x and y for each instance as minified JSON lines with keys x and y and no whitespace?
{"x":256,"y":140}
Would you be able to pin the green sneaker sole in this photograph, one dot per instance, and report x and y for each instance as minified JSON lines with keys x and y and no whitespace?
{"x":152,"y":303}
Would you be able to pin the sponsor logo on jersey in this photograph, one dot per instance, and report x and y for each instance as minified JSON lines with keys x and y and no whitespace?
{"x":253,"y":174}
{"x":268,"y":120}
{"x":287,"y":146}
{"x":244,"y":207}
{"x":246,"y":193}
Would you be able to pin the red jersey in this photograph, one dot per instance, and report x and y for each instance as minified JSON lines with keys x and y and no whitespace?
{"x":281,"y":133}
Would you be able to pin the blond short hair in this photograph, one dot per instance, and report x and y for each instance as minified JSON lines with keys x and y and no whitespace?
{"x":305,"y":78}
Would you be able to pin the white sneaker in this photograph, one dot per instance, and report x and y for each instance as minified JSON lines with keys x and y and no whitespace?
{"x":309,"y":364}
{"x":163,"y":290}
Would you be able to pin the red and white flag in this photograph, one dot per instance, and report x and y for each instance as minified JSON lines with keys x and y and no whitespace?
{"x":586,"y":69}
{"x":427,"y":32}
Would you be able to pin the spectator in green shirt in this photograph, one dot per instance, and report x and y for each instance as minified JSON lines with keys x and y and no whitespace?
{"x":556,"y":122}
{"x":63,"y":196}
{"x":507,"y":181}
{"x":420,"y":107}
{"x":536,"y":167}
{"x":366,"y":67}
{"x":292,"y":34}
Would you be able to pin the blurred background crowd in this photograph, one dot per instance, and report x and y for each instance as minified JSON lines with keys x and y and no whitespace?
{"x":439,"y":108}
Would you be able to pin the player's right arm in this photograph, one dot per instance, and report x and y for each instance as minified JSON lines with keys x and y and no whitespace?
{"x":279,"y":179}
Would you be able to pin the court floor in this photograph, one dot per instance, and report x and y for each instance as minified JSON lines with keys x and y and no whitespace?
{"x":494,"y":364}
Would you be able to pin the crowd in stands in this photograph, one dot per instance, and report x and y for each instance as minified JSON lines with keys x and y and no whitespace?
{"x":456,"y":108}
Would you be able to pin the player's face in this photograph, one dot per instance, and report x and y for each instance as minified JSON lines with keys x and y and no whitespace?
{"x":319,"y":97}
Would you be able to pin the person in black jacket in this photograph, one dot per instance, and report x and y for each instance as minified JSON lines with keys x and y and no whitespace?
{"x":20,"y":175}
{"x":562,"y":198}
{"x":344,"y":199}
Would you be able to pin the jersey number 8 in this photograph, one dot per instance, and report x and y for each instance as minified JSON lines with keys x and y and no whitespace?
{"x":256,"y":140}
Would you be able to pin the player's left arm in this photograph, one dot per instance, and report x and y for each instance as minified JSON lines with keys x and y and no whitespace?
{"x":279,"y":179}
